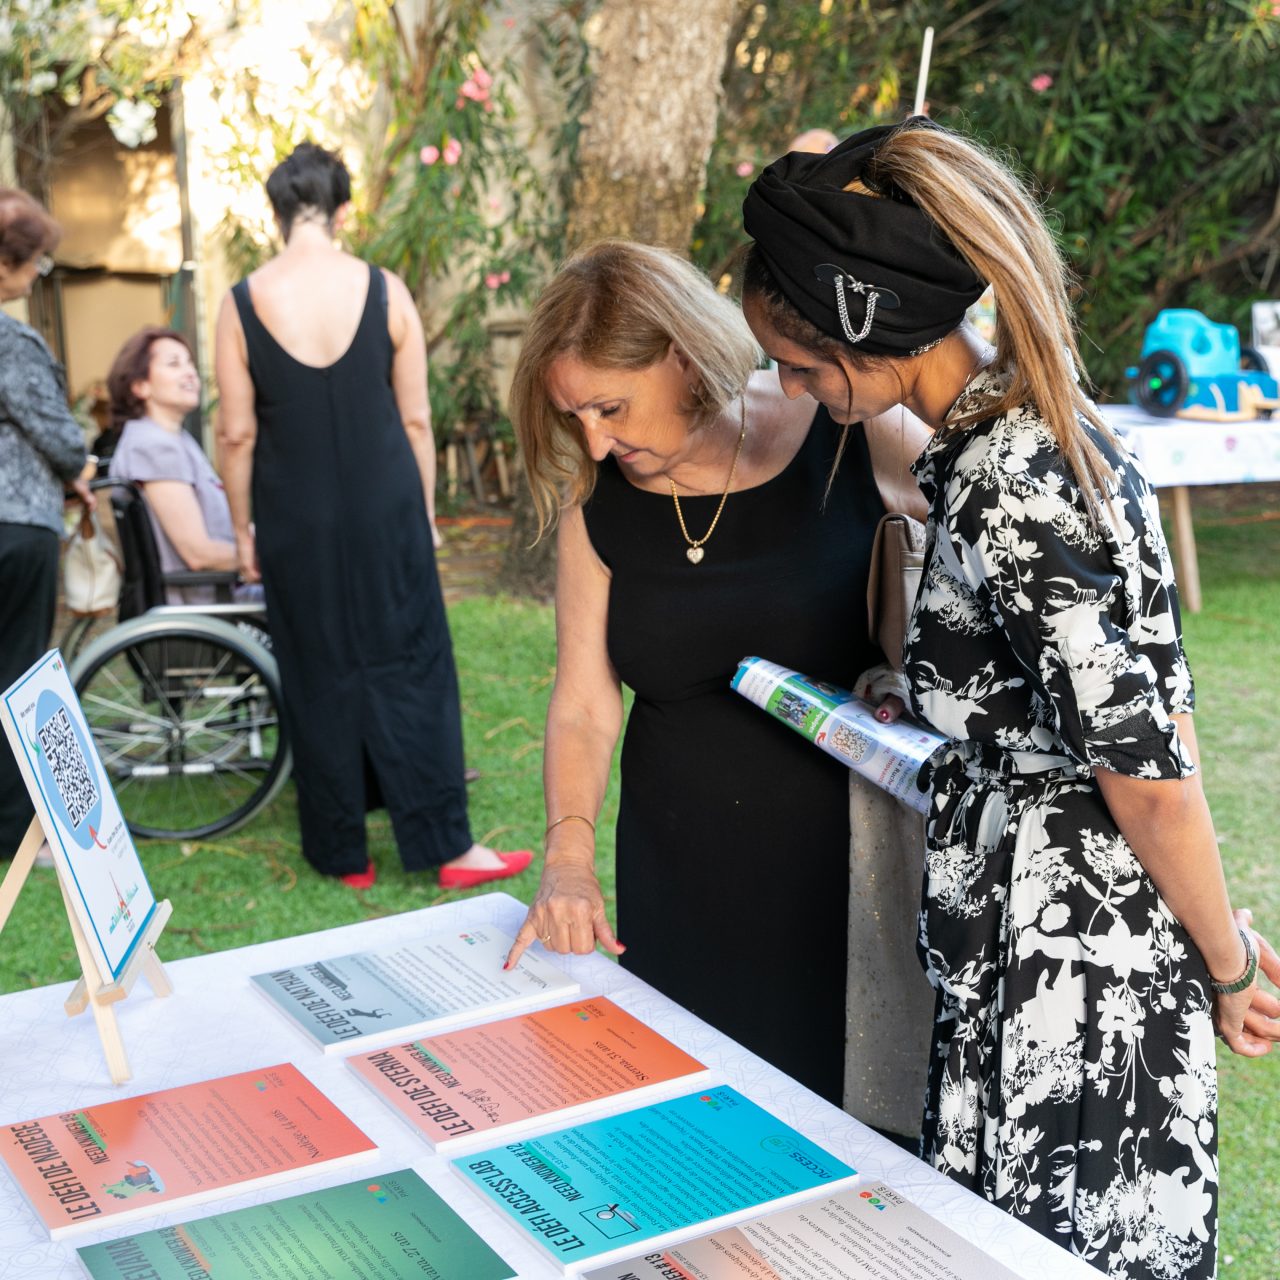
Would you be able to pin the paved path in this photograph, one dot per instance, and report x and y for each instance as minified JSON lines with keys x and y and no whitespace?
{"x":472,"y":553}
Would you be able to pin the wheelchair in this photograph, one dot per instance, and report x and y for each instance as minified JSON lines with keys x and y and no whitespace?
{"x":183,"y":700}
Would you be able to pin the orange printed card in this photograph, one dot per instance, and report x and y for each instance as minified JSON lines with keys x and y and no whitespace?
{"x":510,"y":1074}
{"x":84,"y":1170}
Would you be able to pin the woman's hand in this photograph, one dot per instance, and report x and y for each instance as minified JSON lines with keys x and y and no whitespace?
{"x":886,"y":688}
{"x":891,"y":709}
{"x":567,"y":914}
{"x":1249,"y":1021}
{"x":80,"y":489}
{"x":247,"y":554}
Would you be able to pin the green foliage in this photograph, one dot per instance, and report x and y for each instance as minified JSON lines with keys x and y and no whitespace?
{"x":64,"y":63}
{"x":447,"y":197}
{"x":1149,"y":125}
{"x":454,"y":206}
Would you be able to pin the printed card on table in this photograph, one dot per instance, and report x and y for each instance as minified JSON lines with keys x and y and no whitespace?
{"x":378,"y":997}
{"x":390,"y":1225}
{"x":500,"y":1077}
{"x":82,"y":822}
{"x":88,"y":1169}
{"x":871,"y":1232}
{"x":649,"y":1177}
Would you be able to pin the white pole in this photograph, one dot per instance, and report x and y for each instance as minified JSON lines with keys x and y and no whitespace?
{"x":923,"y":78}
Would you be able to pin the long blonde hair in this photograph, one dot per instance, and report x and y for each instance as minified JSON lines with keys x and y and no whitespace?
{"x":619,"y":305}
{"x":987,"y":213}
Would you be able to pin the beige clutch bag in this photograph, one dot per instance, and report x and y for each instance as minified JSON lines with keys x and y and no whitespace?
{"x":897,"y":560}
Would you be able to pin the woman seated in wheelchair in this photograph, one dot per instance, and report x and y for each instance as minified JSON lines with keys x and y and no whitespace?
{"x":153,"y":385}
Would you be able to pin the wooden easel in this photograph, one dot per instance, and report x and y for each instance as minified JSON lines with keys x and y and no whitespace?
{"x":91,"y":992}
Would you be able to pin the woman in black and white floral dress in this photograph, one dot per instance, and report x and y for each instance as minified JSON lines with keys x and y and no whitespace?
{"x":1075,"y":922}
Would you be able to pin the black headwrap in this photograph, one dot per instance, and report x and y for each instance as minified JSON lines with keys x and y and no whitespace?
{"x":874,"y":270}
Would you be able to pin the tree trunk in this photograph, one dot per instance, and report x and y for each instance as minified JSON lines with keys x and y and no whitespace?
{"x":642,"y":156}
{"x":642,"y":160}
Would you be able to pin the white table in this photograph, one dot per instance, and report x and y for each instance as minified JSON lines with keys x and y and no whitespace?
{"x":214,"y":1025}
{"x":1177,"y":453}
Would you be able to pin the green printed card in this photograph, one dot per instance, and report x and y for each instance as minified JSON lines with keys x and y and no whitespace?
{"x":391,"y":1227}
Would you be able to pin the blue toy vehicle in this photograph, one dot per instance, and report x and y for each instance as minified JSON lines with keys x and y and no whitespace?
{"x":1193,"y":368}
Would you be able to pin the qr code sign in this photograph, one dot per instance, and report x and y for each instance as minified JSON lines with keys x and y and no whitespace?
{"x":70,"y":769}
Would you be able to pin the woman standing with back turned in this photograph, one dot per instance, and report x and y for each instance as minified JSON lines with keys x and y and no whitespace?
{"x":323,"y":379}
{"x":1075,"y":921}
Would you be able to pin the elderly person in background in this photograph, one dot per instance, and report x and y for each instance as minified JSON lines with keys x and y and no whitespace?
{"x":153,"y":385}
{"x":41,"y":453}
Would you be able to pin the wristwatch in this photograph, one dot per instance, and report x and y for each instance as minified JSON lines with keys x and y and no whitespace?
{"x":1250,"y":968}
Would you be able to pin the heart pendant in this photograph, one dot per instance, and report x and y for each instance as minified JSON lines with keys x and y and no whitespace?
{"x":694,"y":554}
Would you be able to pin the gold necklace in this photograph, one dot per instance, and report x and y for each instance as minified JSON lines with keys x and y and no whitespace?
{"x":694,"y":549}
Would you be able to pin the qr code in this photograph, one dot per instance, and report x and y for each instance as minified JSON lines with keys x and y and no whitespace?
{"x":70,"y":769}
{"x":849,"y":742}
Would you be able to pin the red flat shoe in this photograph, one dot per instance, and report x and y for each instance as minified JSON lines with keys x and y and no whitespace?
{"x":362,"y":879}
{"x":468,"y":877}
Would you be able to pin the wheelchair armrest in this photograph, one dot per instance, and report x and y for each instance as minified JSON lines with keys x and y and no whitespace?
{"x":204,"y":578}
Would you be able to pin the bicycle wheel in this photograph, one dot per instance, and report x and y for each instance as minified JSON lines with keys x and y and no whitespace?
{"x":185,"y":712}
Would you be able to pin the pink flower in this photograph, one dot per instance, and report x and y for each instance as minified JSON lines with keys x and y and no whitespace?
{"x":452,"y":151}
{"x":429,"y":155}
{"x":505,"y":277}
{"x":509,"y":23}
{"x":493,"y":280}
{"x":745,"y":169}
{"x":1042,"y":82}
{"x":476,"y":87}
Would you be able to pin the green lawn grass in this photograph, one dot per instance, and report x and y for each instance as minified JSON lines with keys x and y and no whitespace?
{"x":255,"y":885}
{"x":1233,"y":646}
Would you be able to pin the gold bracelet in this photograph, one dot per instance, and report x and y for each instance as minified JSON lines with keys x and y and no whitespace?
{"x":568,"y":817}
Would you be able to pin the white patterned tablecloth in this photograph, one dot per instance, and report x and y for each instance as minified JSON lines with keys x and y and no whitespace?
{"x":214,"y":1025}
{"x":1179,"y":451}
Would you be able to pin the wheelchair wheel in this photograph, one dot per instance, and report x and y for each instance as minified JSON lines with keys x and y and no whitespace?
{"x":185,"y":713}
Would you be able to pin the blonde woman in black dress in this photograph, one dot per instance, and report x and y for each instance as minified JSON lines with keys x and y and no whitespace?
{"x":700,"y":522}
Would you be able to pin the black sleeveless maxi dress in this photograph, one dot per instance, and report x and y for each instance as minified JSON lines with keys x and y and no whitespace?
{"x":733,"y":831}
{"x":353,"y":598}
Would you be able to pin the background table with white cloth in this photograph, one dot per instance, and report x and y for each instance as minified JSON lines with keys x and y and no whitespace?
{"x":1177,"y":453}
{"x":215,"y":1024}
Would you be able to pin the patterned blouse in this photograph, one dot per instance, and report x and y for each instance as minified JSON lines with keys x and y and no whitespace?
{"x":41,"y":444}
{"x":1065,"y":637}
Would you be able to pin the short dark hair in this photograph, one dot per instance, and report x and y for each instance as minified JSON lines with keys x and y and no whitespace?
{"x":26,"y":230}
{"x":311,"y":178}
{"x":133,"y":364}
